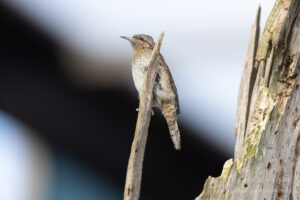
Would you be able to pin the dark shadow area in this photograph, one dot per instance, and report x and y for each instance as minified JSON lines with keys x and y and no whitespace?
{"x":96,"y":126}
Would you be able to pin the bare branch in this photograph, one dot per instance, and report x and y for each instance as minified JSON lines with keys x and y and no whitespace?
{"x":135,"y":163}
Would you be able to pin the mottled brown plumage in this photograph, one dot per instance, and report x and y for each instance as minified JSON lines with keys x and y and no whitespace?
{"x":165,"y":92}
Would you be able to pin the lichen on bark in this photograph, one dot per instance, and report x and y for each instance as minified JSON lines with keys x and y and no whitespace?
{"x":266,"y":164}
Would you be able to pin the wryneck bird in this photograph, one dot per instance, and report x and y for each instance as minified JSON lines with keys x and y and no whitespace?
{"x":165,"y":94}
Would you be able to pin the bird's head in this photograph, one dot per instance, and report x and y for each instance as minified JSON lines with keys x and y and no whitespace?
{"x":140,"y":41}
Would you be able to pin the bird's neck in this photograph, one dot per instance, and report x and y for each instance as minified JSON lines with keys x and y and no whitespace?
{"x":142,"y":53}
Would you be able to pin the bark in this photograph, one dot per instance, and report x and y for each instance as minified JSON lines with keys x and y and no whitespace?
{"x":266,"y":161}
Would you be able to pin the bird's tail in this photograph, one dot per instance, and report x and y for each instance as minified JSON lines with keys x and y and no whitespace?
{"x":169,"y":112}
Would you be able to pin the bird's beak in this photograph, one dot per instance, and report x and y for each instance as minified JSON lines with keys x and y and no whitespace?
{"x":127,"y":38}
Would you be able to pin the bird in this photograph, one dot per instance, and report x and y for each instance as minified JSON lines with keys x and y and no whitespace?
{"x":165,"y":95}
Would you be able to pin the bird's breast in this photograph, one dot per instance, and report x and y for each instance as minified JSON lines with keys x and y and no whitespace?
{"x":139,"y":70}
{"x":162,"y":87}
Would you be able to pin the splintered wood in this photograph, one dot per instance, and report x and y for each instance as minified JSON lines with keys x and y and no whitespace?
{"x":266,"y":162}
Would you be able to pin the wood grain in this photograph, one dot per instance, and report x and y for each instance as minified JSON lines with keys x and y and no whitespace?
{"x":266,"y":164}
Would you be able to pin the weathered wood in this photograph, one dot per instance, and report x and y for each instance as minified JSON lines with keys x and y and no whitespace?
{"x":135,"y":163}
{"x":246,"y":87}
{"x":266,"y":163}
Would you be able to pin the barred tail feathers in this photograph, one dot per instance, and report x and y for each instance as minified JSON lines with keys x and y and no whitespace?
{"x":169,"y":112}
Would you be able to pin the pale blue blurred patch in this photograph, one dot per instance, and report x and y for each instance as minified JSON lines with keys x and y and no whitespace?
{"x":74,"y":180}
{"x":21,"y":167}
{"x":14,"y":160}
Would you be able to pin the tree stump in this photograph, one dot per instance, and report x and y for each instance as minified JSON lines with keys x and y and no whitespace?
{"x":266,"y":161}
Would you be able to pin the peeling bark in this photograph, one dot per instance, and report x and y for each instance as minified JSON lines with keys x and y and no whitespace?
{"x":266,"y":162}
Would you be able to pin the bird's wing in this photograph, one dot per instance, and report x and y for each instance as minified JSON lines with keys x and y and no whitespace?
{"x":163,"y":63}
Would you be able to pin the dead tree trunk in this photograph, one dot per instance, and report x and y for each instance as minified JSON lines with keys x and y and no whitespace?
{"x":266,"y":163}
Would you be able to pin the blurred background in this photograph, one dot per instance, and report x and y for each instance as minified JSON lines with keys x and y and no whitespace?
{"x":67,"y":99}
